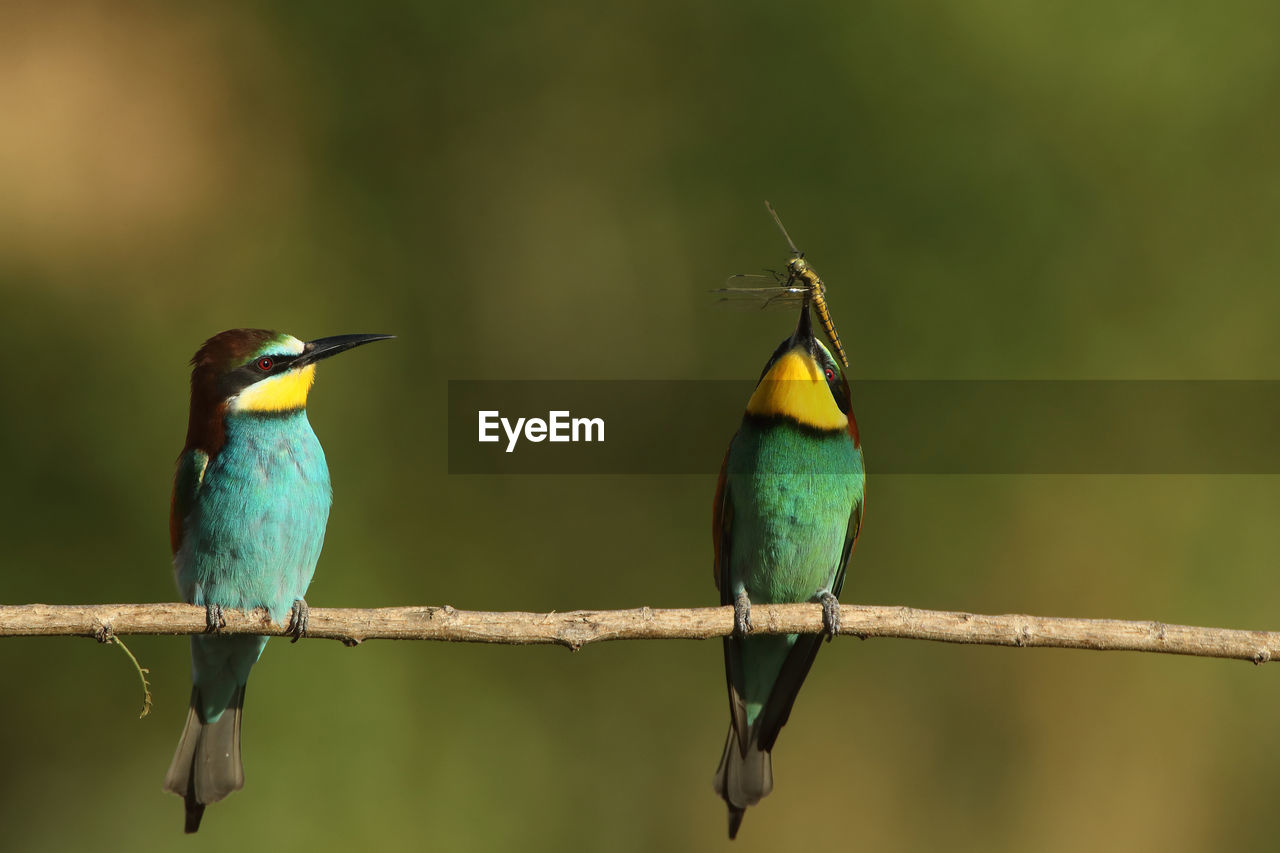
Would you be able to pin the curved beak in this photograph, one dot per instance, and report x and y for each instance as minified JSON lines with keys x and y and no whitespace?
{"x":320,"y":348}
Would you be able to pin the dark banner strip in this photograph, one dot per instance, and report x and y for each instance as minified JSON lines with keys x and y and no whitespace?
{"x":908,"y":427}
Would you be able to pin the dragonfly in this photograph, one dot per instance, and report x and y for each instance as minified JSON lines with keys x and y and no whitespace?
{"x":778,"y":291}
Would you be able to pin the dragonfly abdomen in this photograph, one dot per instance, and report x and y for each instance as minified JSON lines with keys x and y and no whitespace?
{"x":828,"y":325}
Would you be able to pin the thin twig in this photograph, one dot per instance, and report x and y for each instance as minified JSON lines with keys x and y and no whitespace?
{"x":577,"y":628}
{"x":105,"y":635}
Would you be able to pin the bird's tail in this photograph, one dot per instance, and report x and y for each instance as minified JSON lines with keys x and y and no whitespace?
{"x":744,"y":778}
{"x":206,"y":766}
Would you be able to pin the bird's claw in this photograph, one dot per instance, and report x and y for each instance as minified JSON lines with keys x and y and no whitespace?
{"x":299,"y":617}
{"x":742,"y":615}
{"x":214,"y":620}
{"x":830,"y":614}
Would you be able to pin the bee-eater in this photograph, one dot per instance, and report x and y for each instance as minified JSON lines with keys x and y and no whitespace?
{"x":250,"y":502}
{"x":787,"y":512}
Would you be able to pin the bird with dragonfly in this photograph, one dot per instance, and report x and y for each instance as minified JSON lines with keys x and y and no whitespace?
{"x":786,"y":516}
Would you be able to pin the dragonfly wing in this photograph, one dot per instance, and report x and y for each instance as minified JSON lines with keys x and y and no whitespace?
{"x":760,"y":298}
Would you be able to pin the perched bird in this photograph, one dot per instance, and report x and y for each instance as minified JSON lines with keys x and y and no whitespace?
{"x":787,"y":512}
{"x":250,"y":501}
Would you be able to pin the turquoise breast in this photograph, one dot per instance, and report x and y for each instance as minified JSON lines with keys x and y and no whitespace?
{"x":257,"y":525}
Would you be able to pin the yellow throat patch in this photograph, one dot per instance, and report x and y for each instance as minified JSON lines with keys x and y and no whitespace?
{"x":795,"y":387}
{"x":281,"y":393}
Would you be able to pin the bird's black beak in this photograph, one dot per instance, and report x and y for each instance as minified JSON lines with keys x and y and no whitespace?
{"x":804,"y":328}
{"x":320,"y":348}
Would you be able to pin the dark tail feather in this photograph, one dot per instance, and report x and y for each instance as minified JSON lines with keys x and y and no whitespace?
{"x":206,"y":766}
{"x":744,"y":777}
{"x":195,"y":811}
{"x":735,"y":820}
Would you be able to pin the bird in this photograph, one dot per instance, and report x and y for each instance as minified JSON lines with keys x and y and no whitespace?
{"x":250,"y":502}
{"x":786,"y":515}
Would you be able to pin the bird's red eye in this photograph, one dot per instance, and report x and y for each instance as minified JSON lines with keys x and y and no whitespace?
{"x":265,"y":364}
{"x":831,"y":375}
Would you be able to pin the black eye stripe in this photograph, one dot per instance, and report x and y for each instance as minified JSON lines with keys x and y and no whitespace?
{"x":278,"y":363}
{"x":249,"y":373}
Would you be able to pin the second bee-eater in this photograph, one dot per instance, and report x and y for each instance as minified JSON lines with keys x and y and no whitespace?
{"x":250,"y":502}
{"x":787,"y":513}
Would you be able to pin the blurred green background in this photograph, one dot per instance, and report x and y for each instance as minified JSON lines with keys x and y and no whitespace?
{"x":992,"y":190}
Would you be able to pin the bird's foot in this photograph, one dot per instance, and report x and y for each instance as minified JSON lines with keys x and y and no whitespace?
{"x":830,"y":614}
{"x":742,"y":615}
{"x":214,"y":620}
{"x":299,"y":616}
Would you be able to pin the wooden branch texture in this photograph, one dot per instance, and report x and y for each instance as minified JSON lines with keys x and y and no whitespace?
{"x":578,"y":628}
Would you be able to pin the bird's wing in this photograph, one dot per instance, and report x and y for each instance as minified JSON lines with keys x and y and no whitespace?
{"x":783,"y":695}
{"x":850,"y":540}
{"x":718,"y":525}
{"x":186,"y":485}
{"x":722,"y":538}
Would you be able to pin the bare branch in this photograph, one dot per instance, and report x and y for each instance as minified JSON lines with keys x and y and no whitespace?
{"x":579,"y":627}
